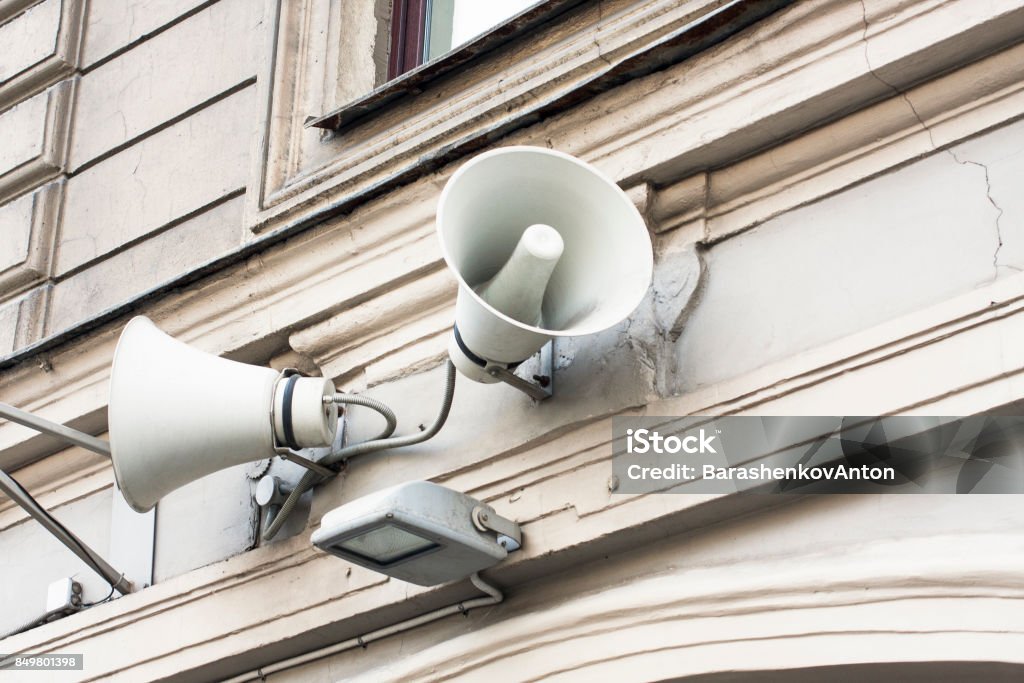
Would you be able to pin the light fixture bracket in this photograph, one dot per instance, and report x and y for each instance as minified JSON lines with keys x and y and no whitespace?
{"x":486,"y":519}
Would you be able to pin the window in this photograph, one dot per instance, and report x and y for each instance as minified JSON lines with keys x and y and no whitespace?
{"x":422,"y":30}
{"x":330,"y":68}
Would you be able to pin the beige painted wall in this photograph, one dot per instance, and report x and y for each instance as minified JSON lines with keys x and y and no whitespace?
{"x":836,"y":187}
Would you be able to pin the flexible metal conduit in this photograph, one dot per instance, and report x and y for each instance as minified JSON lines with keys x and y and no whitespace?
{"x":494,"y":596}
{"x":373,"y":404}
{"x":311,"y":479}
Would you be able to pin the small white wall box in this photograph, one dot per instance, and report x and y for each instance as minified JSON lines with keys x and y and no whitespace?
{"x":63,"y":594}
{"x":419,"y":532}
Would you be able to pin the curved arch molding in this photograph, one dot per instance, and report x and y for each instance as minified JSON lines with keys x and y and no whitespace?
{"x":962,"y":611}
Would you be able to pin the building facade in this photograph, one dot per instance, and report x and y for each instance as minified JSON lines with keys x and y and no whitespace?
{"x":833,"y":189}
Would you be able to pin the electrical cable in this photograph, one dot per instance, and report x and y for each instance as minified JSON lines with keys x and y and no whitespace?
{"x":100,"y":602}
{"x":494,"y":596}
{"x":373,"y":404}
{"x":311,"y":479}
{"x":39,"y":621}
{"x":49,"y":616}
{"x":68,"y":537}
{"x":16,"y":492}
{"x":344,"y":399}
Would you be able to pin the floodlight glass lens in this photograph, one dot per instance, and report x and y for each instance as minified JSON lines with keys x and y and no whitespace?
{"x":386,"y":545}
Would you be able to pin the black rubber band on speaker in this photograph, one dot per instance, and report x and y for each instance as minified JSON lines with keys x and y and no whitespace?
{"x":286,"y":412}
{"x":465,"y":349}
{"x":477,"y":360}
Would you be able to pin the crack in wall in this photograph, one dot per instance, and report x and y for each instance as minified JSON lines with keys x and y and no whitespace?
{"x":995,"y":205}
{"x":891,"y":86}
{"x":931,"y":138}
{"x":597,"y":34}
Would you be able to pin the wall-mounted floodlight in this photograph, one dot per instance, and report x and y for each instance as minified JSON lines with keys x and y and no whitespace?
{"x":543,"y":246}
{"x":418,"y":532}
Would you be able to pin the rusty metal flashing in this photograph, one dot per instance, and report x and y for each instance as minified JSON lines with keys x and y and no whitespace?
{"x":683,"y":43}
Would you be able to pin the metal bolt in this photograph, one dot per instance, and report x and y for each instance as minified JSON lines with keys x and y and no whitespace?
{"x":389,"y":515}
{"x":483,"y":517}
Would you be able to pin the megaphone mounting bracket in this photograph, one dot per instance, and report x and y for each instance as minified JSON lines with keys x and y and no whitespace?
{"x":292,"y":456}
{"x":288,"y":453}
{"x":541,"y":387}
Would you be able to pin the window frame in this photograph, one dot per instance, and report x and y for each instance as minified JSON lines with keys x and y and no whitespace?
{"x":411,"y":15}
{"x":536,"y":65}
{"x":408,"y":36}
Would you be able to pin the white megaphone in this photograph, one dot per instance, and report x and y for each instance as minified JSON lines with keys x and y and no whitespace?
{"x":543,"y":246}
{"x":177,"y":414}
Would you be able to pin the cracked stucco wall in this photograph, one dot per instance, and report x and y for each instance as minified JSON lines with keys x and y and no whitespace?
{"x":906,"y":240}
{"x":960,"y":158}
{"x":896,"y":244}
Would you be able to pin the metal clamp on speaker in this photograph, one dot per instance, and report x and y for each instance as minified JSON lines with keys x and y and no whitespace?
{"x":539,"y":389}
{"x":303,"y":416}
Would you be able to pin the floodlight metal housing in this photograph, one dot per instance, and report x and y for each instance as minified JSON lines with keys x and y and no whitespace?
{"x":419,"y":532}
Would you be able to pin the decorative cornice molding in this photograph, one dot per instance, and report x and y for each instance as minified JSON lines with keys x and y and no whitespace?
{"x":731,"y":199}
{"x":630,"y":145}
{"x":389,"y":243}
{"x":816,"y":62}
{"x":790,"y":612}
{"x":346,"y":343}
{"x":562,"y":64}
{"x":547,"y":464}
{"x":63,"y":485}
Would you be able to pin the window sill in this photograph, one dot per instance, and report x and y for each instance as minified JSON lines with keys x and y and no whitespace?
{"x":415,"y":81}
{"x":500,"y":83}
